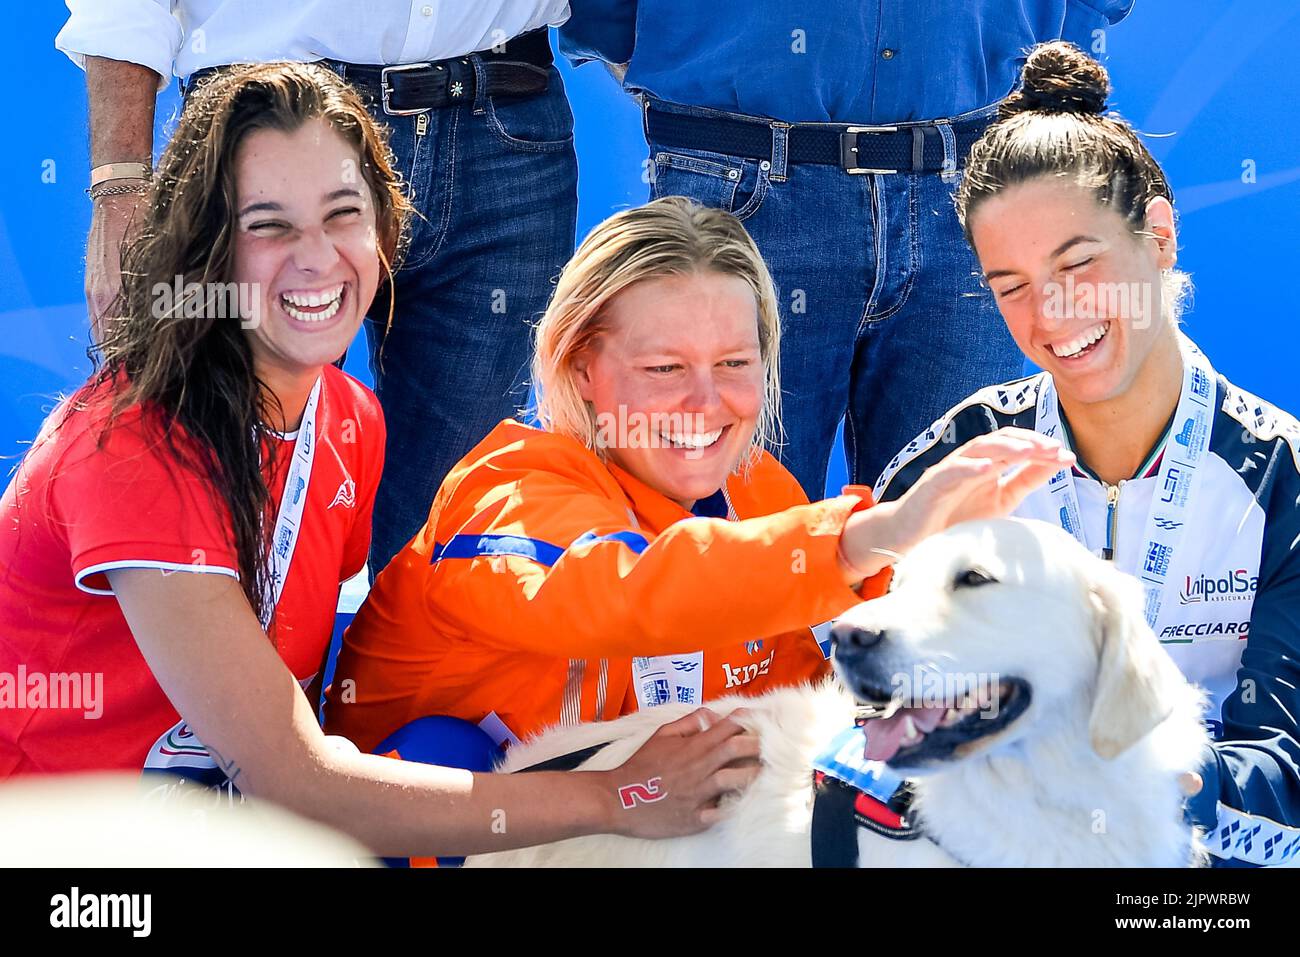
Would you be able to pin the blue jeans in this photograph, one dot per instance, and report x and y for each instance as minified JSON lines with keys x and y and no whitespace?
{"x":496,"y":183}
{"x":884,"y":319}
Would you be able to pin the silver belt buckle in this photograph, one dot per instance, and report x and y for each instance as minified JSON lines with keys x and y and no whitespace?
{"x":385,"y":91}
{"x":849,"y":144}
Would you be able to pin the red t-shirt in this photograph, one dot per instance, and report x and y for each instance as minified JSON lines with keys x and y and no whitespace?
{"x":75,"y":692}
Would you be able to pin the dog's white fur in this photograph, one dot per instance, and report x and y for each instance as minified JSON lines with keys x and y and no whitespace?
{"x":1086,"y":776}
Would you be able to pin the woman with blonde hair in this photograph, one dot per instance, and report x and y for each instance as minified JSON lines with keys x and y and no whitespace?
{"x":641,"y":546}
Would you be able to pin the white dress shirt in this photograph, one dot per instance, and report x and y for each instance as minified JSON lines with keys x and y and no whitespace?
{"x":178,"y":37}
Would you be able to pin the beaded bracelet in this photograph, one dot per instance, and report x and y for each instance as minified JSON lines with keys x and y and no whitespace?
{"x":118,"y":188}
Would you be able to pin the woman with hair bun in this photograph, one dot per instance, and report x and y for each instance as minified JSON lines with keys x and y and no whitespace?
{"x":1182,"y":479}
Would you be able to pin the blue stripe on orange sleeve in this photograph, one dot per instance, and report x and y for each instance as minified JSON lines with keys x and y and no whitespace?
{"x":633,"y":540}
{"x":544,"y":553}
{"x":478,"y":546}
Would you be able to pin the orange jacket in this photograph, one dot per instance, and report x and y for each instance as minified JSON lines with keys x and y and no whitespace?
{"x":542,"y":571}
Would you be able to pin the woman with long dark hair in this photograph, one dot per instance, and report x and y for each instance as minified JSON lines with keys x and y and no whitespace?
{"x":172,"y":545}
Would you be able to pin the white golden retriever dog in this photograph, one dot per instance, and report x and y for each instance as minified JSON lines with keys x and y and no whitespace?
{"x":1009,"y":673}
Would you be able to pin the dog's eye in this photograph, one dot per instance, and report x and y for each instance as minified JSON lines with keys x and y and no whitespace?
{"x":973,"y":578}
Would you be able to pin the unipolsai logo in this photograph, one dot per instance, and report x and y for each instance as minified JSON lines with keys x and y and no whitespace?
{"x":1234,"y":585}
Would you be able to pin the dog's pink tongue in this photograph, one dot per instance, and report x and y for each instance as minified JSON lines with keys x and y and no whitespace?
{"x":885,"y":735}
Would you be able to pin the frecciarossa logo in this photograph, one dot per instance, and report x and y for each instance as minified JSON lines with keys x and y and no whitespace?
{"x":1188,"y":631}
{"x":1232,"y":585}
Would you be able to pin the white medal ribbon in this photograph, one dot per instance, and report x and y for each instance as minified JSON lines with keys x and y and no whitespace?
{"x":288,"y":523}
{"x":178,"y":750}
{"x":1172,"y":503}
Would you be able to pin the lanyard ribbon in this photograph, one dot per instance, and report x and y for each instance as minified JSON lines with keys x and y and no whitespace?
{"x":1172,"y":505}
{"x":288,"y":522}
{"x":179,"y":751}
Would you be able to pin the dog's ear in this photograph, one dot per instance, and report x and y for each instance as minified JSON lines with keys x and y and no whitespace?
{"x":1133,"y":691}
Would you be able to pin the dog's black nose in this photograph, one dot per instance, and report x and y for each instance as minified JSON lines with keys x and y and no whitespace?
{"x":854,"y":638}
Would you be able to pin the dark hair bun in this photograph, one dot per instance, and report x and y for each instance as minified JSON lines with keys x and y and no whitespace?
{"x":1059,"y":78}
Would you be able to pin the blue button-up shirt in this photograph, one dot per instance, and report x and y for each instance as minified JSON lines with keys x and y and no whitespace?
{"x":842,"y":61}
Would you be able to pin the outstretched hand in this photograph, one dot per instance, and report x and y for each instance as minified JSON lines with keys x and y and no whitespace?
{"x":988,"y":477}
{"x":672,"y":785}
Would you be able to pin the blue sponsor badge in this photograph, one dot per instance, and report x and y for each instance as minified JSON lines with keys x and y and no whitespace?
{"x":282,"y":545}
{"x":822,"y":635}
{"x":656,"y":691}
{"x":1065,"y":520}
{"x":844,"y":760}
{"x":1157,"y":560}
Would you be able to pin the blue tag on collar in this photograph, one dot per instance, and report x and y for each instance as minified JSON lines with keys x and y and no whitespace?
{"x":845,"y":761}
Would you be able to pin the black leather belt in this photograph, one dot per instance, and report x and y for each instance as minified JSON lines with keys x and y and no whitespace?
{"x":901,"y":148}
{"x":519,"y":67}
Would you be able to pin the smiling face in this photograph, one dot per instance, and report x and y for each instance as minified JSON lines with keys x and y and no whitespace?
{"x":678,"y":372}
{"x":986,"y":631}
{"x":305,"y":241}
{"x":1003,"y":631}
{"x":1079,"y":291}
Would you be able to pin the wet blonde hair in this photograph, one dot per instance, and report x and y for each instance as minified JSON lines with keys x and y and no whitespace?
{"x":672,"y":236}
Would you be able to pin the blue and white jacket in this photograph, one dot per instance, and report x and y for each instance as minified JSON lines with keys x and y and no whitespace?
{"x":1237,"y":627}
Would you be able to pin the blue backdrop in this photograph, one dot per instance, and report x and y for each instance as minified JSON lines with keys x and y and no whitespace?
{"x":1213,"y":83}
